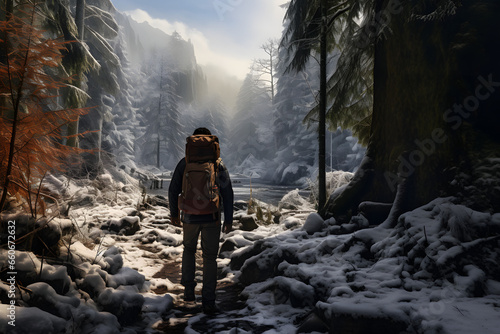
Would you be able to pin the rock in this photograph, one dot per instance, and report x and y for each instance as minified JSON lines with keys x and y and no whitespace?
{"x":33,"y":320}
{"x":240,"y":205}
{"x":46,"y":298}
{"x":93,"y":284}
{"x":132,"y":212}
{"x":293,"y":201}
{"x":248,"y":223}
{"x":126,"y":306}
{"x":237,"y":260}
{"x":159,"y":304}
{"x":84,"y":200}
{"x":114,"y":260}
{"x":50,"y":234}
{"x":126,"y":277}
{"x":298,"y":293}
{"x":276,"y":217}
{"x":260,"y":268}
{"x":227,"y":246}
{"x":292,"y":223}
{"x":106,"y":180}
{"x":66,"y":226}
{"x":126,"y":225}
{"x":314,"y":223}
{"x":313,"y":323}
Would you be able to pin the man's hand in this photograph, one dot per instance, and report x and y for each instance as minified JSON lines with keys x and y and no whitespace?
{"x":227,"y":228}
{"x":175,"y":221}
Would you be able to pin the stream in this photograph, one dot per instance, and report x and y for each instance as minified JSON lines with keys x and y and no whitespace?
{"x":242,"y":187}
{"x":263,"y":191}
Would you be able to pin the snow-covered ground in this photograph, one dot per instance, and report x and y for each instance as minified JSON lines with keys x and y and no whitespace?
{"x":436,"y":271}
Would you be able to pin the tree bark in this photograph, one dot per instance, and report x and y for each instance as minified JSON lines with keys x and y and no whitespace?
{"x":322,"y":109}
{"x":73,"y":128}
{"x":80,"y":18}
{"x":420,"y":79}
{"x":16,"y":99}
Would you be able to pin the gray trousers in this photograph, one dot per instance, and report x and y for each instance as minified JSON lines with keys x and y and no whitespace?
{"x":210,"y":234}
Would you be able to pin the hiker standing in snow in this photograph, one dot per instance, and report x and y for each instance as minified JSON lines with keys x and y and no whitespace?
{"x":199,"y":183}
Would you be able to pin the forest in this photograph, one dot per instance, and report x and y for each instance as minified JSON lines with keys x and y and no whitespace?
{"x":383,"y":115}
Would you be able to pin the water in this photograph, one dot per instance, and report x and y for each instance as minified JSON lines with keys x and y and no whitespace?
{"x":266,"y":192}
{"x":262,"y":191}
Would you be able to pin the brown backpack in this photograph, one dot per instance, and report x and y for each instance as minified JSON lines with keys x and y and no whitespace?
{"x":200,"y":191}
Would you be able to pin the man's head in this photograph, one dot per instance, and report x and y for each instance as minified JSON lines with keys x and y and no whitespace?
{"x":202,"y":131}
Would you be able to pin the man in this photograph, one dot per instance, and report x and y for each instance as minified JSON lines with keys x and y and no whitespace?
{"x":208,"y":225}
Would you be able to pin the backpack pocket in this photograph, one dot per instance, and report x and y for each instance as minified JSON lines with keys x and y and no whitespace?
{"x":200,"y":193}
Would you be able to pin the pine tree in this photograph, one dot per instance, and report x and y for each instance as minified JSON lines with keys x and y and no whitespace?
{"x":100,"y":29}
{"x":246,"y":138}
{"x":160,"y":141}
{"x":308,"y":30}
{"x":414,"y":64}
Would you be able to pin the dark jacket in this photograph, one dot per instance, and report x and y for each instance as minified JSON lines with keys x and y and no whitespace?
{"x":226,"y":193}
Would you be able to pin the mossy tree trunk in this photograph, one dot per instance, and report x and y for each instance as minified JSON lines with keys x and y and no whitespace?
{"x":435,"y":81}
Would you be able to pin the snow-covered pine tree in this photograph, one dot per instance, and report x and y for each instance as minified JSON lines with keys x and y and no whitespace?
{"x":160,"y":142}
{"x":250,"y":133}
{"x":100,"y":28}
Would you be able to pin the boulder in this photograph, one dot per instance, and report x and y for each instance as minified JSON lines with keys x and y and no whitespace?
{"x":314,"y":223}
{"x":47,"y":299}
{"x":248,"y":223}
{"x":126,"y":225}
{"x":227,"y":246}
{"x":114,"y":260}
{"x":126,"y":306}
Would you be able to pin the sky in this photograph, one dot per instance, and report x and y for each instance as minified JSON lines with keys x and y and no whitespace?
{"x":225,"y":33}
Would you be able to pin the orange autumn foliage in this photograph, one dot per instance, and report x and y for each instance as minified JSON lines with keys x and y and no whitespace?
{"x":31,"y":120}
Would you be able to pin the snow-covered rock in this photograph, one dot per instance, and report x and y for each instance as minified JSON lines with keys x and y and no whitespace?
{"x":314,"y":223}
{"x":126,"y":225}
{"x":125,"y":304}
{"x":293,"y":201}
{"x":407,"y":278}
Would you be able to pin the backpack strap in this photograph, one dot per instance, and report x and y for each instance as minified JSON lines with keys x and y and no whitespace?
{"x":217,"y":164}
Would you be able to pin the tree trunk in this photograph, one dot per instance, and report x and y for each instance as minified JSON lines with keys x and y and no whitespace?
{"x":423,"y":91}
{"x":92,"y":161}
{"x":322,"y":109}
{"x":73,"y":128}
{"x":6,"y":9}
{"x":80,"y":18}
{"x":15,"y":101}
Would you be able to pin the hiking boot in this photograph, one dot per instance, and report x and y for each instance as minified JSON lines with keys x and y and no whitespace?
{"x":189,"y":296}
{"x":210,"y":309}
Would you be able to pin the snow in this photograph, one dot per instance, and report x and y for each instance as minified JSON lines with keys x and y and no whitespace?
{"x":434,"y":272}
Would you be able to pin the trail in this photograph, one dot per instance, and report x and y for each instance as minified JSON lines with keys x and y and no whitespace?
{"x":156,"y":252}
{"x":163,"y":270}
{"x":228,"y":300}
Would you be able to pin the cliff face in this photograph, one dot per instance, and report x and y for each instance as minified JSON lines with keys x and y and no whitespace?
{"x":145,"y":43}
